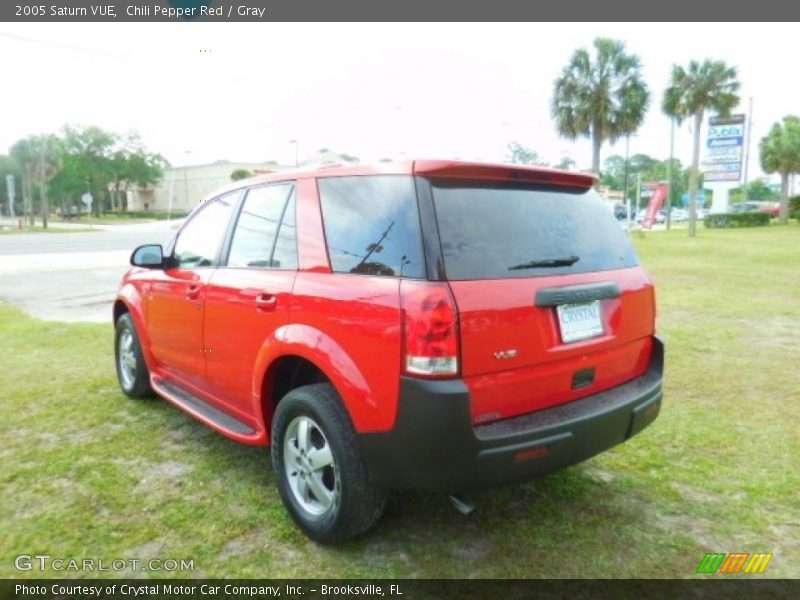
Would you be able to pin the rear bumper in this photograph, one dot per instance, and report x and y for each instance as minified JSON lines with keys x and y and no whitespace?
{"x":434,"y":446}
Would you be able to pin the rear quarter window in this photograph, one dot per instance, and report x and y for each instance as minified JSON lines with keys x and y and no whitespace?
{"x":493,"y":231}
{"x":372,"y":225}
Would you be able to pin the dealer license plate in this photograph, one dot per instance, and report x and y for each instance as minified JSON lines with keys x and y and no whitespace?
{"x":579,"y":321}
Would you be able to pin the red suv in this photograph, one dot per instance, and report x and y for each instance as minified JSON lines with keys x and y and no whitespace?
{"x":432,"y":325}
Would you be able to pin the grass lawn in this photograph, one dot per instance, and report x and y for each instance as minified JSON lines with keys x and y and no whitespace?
{"x":87,"y":473}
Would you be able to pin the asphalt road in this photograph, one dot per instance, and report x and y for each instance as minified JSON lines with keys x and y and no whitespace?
{"x":71,"y":276}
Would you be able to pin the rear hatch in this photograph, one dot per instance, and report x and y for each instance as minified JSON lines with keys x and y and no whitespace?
{"x":553,"y":305}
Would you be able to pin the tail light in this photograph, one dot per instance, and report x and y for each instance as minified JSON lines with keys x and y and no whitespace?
{"x":430,"y":329}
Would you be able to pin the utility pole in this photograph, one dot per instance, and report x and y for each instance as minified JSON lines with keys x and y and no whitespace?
{"x":42,"y":184}
{"x":669,"y":170}
{"x":625,"y":177}
{"x":748,"y":130}
{"x":185,"y":186}
{"x":638,"y":193}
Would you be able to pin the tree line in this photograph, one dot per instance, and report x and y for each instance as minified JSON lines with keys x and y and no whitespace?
{"x":79,"y":164}
{"x":601,"y":94}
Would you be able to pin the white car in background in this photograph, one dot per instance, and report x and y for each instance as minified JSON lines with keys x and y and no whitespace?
{"x":678,"y":215}
{"x":660,"y":217}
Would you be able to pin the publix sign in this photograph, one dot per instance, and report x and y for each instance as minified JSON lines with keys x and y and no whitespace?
{"x":724,"y":145}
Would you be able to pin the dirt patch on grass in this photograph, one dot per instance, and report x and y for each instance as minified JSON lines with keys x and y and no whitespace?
{"x":773,"y":334}
{"x":170,"y":470}
{"x":246,"y":544}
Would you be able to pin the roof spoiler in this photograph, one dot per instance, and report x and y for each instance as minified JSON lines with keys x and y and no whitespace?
{"x":503,"y":172}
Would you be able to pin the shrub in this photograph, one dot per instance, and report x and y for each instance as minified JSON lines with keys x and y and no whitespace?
{"x":747,"y":219}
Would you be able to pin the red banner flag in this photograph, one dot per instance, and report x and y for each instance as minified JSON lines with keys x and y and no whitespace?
{"x":658,"y":193}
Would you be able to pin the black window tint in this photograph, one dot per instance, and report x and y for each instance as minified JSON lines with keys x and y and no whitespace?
{"x":493,"y":232}
{"x":199,"y":241}
{"x":254,"y":237}
{"x":372,"y":225}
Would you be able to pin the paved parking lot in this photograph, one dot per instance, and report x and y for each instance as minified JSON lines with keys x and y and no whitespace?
{"x":71,"y":276}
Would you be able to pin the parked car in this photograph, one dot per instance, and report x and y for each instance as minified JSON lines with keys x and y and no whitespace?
{"x":659,"y":217}
{"x":773,"y":208}
{"x":750,"y":206}
{"x":429,"y":325}
{"x":621,"y":213}
{"x":678,"y":215}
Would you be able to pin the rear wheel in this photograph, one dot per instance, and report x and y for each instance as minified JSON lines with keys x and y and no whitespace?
{"x":321,"y":474}
{"x":132,"y":373}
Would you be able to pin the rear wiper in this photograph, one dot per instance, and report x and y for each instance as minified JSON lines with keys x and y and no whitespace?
{"x":565,"y":261}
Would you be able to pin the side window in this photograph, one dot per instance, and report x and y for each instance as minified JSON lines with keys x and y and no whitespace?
{"x":285,"y":255}
{"x":199,"y":241}
{"x":265,"y":232}
{"x":372,"y":225}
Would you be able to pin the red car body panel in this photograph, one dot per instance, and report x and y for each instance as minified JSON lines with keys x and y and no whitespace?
{"x":241,"y":306}
{"x":539,"y":375}
{"x":355,"y":333}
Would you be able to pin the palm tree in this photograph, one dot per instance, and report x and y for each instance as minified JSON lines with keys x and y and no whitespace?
{"x":601,"y":97}
{"x":780,"y":153}
{"x":710,"y":84}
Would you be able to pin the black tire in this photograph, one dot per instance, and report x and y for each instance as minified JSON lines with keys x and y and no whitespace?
{"x":132,"y":372}
{"x":348,"y":503}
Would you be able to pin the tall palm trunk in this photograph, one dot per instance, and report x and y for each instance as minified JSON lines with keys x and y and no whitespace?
{"x":694,"y":174}
{"x":596,"y":143}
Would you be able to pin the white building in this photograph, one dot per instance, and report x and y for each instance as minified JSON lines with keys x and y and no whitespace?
{"x":182,"y":188}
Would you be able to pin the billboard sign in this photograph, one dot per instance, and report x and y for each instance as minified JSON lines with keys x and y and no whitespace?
{"x":724,"y":148}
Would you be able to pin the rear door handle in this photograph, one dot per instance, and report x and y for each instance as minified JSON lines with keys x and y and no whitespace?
{"x":265,"y":302}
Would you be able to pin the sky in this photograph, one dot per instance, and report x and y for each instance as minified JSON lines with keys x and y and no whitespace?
{"x":201,"y":92}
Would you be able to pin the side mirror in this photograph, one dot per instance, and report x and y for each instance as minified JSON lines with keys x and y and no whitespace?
{"x":149,"y":256}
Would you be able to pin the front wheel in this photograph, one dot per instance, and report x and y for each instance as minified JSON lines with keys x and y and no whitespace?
{"x":132,"y":373}
{"x":321,"y":474}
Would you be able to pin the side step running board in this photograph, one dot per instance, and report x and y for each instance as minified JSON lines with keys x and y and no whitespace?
{"x":194,"y":405}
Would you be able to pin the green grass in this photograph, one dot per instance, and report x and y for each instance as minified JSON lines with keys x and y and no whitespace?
{"x":86,"y":472}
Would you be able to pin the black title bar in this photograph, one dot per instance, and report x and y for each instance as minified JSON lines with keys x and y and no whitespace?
{"x":405,"y":10}
{"x":399,"y":589}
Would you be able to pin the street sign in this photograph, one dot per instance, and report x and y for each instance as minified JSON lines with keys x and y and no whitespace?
{"x":701,"y":198}
{"x":725,"y":142}
{"x":723,"y":155}
{"x":721,"y":121}
{"x":724,"y":148}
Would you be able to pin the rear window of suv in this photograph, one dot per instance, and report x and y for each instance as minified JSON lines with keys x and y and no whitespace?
{"x":498,"y":232}
{"x":372,"y":225}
